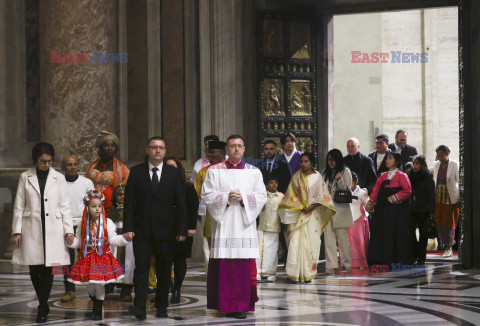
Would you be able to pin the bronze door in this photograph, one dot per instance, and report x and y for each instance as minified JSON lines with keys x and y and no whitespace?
{"x":287,"y":83}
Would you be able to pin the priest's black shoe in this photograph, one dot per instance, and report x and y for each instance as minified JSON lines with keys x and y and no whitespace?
{"x":162,"y":313}
{"x":175,"y":296}
{"x":237,"y":315}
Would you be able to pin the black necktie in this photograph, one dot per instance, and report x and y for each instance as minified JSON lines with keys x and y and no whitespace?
{"x":270,"y":167}
{"x":155,"y":180}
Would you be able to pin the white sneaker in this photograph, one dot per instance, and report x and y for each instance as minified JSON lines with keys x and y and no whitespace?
{"x":259,"y":278}
{"x":272,"y":278}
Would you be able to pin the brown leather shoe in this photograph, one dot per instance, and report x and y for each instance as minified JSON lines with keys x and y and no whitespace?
{"x":68,"y":296}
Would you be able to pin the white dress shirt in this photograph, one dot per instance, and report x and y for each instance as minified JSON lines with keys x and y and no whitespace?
{"x":380,"y":159}
{"x":159,"y":172}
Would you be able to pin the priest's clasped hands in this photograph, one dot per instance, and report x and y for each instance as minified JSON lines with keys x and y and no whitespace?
{"x":235,"y":195}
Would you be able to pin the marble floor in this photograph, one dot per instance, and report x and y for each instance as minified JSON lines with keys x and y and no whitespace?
{"x":440,"y":293}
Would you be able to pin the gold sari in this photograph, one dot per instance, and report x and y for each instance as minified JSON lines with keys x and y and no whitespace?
{"x":304,"y":230}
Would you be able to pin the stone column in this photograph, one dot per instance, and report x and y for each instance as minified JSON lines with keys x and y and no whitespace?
{"x":227,"y":70}
{"x":77,"y":99}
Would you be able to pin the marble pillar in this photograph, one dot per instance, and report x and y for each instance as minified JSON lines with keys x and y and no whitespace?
{"x":3,"y":62}
{"x":227,"y":70}
{"x":77,"y":99}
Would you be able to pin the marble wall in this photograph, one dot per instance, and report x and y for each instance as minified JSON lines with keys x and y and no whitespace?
{"x":77,"y":99}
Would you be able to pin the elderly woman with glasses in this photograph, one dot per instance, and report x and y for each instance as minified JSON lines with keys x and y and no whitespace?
{"x":108,"y":171}
{"x":41,"y":221}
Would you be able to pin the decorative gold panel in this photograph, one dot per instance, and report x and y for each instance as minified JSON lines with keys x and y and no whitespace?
{"x":300,"y":98}
{"x":300,"y":40}
{"x":304,"y":144}
{"x":273,"y":93}
{"x":273,"y":38}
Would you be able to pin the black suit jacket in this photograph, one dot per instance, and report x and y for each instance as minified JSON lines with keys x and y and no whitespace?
{"x":407,"y":152}
{"x":158,"y":212}
{"x":192,"y":205}
{"x":364,"y":167}
{"x":280,"y":169}
{"x":383,"y":166}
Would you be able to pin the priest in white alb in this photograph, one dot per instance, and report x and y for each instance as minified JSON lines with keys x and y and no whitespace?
{"x":234,"y":194}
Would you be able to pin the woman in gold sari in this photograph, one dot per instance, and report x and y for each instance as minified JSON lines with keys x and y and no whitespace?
{"x":307,"y":208}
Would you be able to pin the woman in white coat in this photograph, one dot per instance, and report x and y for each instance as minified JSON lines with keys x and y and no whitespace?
{"x":338,"y":177}
{"x":42,"y":220}
{"x":446,"y":177}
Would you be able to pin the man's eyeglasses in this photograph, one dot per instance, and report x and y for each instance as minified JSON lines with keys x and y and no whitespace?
{"x":156,"y":147}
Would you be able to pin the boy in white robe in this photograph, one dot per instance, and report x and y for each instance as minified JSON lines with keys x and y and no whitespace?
{"x":268,"y":233}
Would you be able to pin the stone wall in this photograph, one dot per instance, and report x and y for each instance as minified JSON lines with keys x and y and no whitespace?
{"x":385,"y":97}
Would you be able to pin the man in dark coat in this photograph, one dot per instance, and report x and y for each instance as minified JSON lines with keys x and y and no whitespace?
{"x":155,"y":217}
{"x":270,"y":165}
{"x":400,"y":146}
{"x":379,"y":156}
{"x":360,"y":164}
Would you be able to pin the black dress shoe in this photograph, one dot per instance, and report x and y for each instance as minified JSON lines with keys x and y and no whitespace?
{"x":41,"y":318}
{"x":161,"y":313}
{"x":42,"y":314}
{"x":175,"y":296}
{"x":132,"y":310}
{"x":237,"y":315}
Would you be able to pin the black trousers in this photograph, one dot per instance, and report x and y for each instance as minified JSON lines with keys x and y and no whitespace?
{"x":162,"y":250}
{"x":69,"y":286}
{"x":42,"y":280}
{"x":179,"y":270}
{"x":420,"y":246}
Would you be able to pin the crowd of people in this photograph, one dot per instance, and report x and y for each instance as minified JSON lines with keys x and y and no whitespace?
{"x":115,"y":227}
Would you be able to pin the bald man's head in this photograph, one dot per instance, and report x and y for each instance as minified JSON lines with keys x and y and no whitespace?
{"x":353,"y":145}
{"x":70,"y":165}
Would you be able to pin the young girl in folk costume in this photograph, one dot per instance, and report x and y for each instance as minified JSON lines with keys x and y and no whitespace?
{"x":359,"y":234}
{"x":96,"y":266}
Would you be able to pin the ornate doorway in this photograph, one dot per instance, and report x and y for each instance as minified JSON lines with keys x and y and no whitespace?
{"x":287,"y":82}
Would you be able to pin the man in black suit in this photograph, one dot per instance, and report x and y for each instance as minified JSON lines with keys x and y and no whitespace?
{"x":379,"y":157}
{"x":154,"y":210}
{"x":360,"y":164}
{"x":400,"y":146}
{"x":272,"y":166}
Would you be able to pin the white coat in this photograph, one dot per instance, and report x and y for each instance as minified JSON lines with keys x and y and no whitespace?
{"x":28,"y":222}
{"x":452,"y":179}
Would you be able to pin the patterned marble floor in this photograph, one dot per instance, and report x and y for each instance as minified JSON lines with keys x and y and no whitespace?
{"x":439,"y":294}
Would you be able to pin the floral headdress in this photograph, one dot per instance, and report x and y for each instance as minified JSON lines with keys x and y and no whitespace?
{"x":102,"y":228}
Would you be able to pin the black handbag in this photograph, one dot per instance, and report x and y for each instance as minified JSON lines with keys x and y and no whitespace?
{"x":343,"y":197}
{"x":430,"y":228}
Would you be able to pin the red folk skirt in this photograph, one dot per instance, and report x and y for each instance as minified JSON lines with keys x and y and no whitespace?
{"x":96,"y":269}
